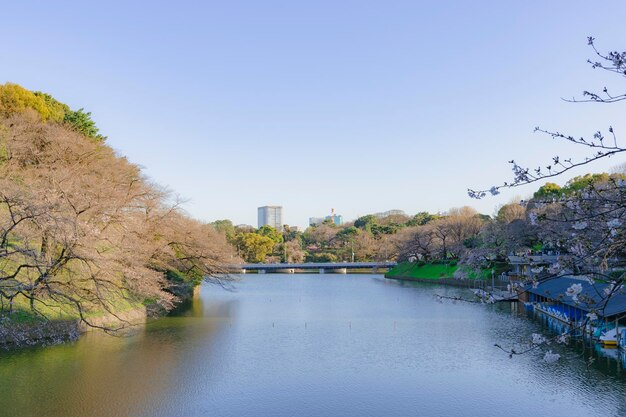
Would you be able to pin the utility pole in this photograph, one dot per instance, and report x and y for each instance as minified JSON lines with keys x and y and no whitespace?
{"x":352,"y":248}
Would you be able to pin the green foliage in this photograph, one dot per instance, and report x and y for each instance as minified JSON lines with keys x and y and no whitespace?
{"x":366,"y":222}
{"x":175,"y":275}
{"x":385,"y":229}
{"x":436,"y":271}
{"x":191,"y":274}
{"x":579,"y":183}
{"x":57,"y":109}
{"x":549,"y":190}
{"x":322,"y":257}
{"x":270,"y":232}
{"x":422,"y":270}
{"x":615,"y":275}
{"x":473,"y":242}
{"x":17,"y":99}
{"x":254,"y":247}
{"x":421,"y":218}
{"x":225,"y":226}
{"x":347,"y":234}
{"x":575,"y":185}
{"x":81,"y":121}
{"x":4,"y":152}
{"x":291,"y":233}
{"x":472,"y":273}
{"x":52,"y":310}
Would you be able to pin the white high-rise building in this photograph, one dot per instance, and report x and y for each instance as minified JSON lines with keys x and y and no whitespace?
{"x":271,"y":216}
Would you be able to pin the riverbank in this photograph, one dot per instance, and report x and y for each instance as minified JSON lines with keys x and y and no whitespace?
{"x":442,"y":274}
{"x":315,"y":346}
{"x":18,"y":334}
{"x":452,"y":282}
{"x":18,"y":331}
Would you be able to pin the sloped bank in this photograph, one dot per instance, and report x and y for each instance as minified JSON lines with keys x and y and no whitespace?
{"x":82,"y":228}
{"x":440,"y":274}
{"x":52,"y":332}
{"x":15,"y":334}
{"x":453,"y":282}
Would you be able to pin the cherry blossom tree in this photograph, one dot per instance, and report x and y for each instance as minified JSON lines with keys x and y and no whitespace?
{"x":81,"y":229}
{"x":586,"y":224}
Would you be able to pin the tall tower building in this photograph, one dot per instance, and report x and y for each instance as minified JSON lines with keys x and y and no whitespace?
{"x":271,"y":216}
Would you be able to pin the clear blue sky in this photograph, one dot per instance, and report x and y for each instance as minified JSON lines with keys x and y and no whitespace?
{"x":353,"y":105}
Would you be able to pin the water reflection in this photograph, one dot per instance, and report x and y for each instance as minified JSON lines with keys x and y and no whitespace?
{"x":102,"y":375}
{"x":315,"y":345}
{"x":606,"y":360}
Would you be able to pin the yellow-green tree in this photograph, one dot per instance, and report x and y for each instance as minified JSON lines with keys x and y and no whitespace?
{"x":16,"y":99}
{"x":253,"y":247}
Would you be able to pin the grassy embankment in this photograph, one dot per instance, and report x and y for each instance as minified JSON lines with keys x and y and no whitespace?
{"x":55,"y":311}
{"x":48,"y":310}
{"x":434,"y":271}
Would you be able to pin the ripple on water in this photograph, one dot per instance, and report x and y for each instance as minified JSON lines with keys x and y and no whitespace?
{"x":314,"y":345}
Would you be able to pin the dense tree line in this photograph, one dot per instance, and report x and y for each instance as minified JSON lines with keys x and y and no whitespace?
{"x":459,"y":235}
{"x":368,"y":238}
{"x":81,"y":229}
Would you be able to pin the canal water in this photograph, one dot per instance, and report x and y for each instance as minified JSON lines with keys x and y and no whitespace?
{"x":315,"y":345}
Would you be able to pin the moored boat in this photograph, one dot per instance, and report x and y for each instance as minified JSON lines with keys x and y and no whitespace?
{"x":610,"y":337}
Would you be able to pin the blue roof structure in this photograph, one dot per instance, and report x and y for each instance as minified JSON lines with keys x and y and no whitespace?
{"x":592,"y":296}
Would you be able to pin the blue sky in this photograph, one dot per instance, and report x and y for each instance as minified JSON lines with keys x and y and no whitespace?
{"x":353,"y":105}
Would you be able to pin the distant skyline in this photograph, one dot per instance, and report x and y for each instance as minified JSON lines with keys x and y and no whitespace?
{"x":354,"y":105}
{"x":270,"y":216}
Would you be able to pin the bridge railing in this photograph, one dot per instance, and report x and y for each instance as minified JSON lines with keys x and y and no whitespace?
{"x":316,"y":265}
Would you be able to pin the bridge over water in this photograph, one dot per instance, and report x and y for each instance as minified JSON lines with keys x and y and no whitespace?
{"x":322,"y":267}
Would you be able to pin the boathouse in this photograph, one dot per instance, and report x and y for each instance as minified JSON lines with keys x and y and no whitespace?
{"x":523,"y":265}
{"x":551,"y":297}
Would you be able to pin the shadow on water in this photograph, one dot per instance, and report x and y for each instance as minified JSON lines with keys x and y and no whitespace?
{"x":611,"y":362}
{"x":313,"y":345}
{"x":606,"y":360}
{"x":103,"y":375}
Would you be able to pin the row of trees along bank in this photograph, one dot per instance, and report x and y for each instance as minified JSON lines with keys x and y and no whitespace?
{"x":475,"y":241}
{"x":365,"y":239}
{"x":368,"y":238}
{"x":82,"y":232}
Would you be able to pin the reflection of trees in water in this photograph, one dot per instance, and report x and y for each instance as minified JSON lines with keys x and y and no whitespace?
{"x":607,"y":361}
{"x":103,"y":375}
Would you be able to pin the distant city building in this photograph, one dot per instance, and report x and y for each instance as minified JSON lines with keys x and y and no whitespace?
{"x":335,"y":218}
{"x":314,"y":221}
{"x":271,"y":216}
{"x":390,"y":213}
